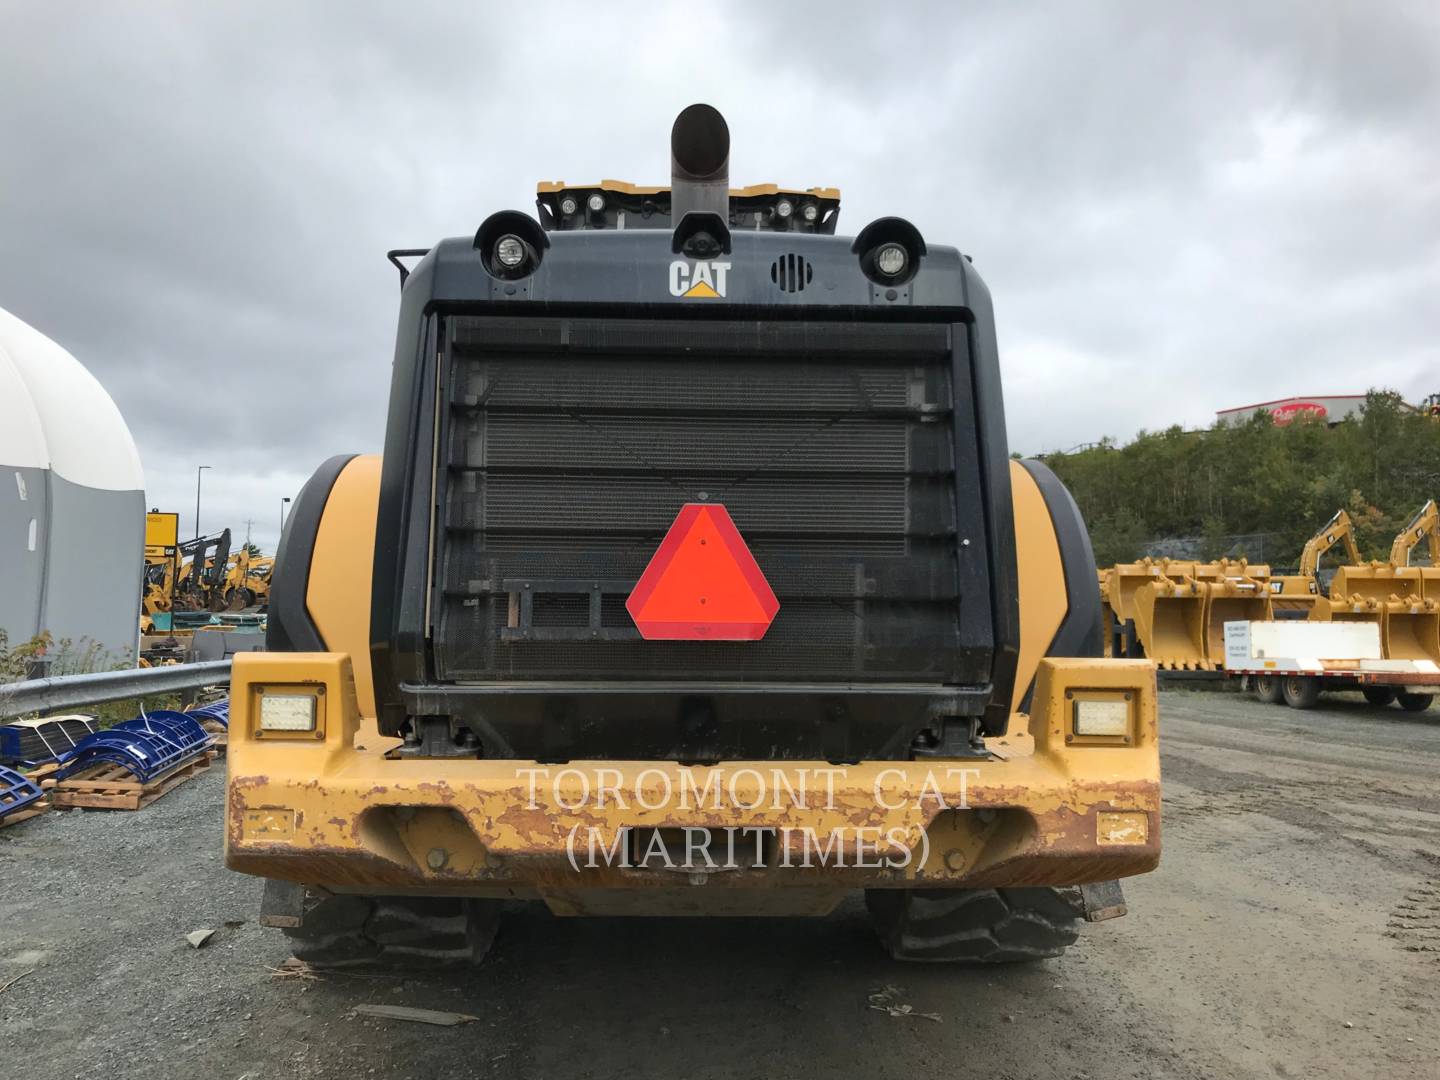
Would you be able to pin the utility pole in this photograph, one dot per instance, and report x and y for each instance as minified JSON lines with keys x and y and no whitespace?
{"x":248,"y":523}
{"x":198,"y":470}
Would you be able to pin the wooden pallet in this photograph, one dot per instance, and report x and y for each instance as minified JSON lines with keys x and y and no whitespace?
{"x":219,"y":736}
{"x":44,"y":775}
{"x":112,"y":787}
{"x":34,"y":810}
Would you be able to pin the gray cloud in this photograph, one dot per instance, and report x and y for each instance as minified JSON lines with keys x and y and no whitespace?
{"x":1178,"y":207}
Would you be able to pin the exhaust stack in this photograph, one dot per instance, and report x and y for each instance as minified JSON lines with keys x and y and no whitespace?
{"x":699,"y":163}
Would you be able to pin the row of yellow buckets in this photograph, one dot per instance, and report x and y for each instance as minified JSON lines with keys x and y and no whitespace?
{"x":1178,"y":608}
{"x":1405,"y":600}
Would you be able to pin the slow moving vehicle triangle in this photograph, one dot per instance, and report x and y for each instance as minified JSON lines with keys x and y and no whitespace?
{"x":702,"y":584}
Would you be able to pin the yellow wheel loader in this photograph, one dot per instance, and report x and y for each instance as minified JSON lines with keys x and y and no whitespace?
{"x":695,"y":578}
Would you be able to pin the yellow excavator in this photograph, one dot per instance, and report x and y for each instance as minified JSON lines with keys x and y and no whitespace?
{"x":1403,"y":599}
{"x":1425,"y":525}
{"x":1294,"y":596}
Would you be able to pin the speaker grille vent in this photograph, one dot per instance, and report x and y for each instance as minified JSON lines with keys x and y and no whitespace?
{"x":791,"y":273}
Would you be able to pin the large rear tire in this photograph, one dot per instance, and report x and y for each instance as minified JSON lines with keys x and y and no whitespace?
{"x":396,"y":932}
{"x":1301,"y":691}
{"x":1414,"y":702}
{"x":1379,"y":696}
{"x":975,"y":926}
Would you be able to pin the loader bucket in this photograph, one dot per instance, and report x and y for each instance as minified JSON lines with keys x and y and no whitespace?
{"x":1333,"y":610}
{"x":1230,"y":601}
{"x":1170,"y":622}
{"x":1292,"y":597}
{"x":1227,"y":569}
{"x":1376,"y":581}
{"x":1429,"y":582}
{"x":1412,"y":631}
{"x":1125,"y":579}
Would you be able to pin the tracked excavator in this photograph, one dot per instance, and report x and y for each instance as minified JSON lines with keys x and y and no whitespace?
{"x":1294,"y":596}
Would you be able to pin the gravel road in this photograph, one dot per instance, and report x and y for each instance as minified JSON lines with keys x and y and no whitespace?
{"x":1292,"y":930}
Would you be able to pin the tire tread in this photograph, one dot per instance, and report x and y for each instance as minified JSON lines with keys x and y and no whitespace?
{"x":978,"y":926}
{"x":394,"y":932}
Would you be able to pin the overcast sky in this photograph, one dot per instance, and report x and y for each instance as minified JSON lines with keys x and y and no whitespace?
{"x":1178,"y":207}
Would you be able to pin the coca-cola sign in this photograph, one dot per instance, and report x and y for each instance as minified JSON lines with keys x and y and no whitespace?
{"x":1291,"y":410}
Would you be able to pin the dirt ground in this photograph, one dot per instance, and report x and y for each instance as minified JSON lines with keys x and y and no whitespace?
{"x":1293,"y":930}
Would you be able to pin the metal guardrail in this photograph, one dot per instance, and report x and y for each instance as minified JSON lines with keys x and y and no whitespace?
{"x":72,"y":691}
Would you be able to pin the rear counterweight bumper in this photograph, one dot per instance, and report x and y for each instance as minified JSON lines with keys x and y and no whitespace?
{"x":1051,"y":805}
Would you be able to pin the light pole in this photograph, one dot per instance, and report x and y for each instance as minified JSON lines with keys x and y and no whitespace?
{"x":198,"y":470}
{"x":283,"y":501}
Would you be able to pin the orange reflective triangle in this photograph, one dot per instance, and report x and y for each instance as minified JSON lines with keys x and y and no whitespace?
{"x":702,"y":584}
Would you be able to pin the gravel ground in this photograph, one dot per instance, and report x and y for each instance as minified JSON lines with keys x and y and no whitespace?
{"x":1292,"y":930}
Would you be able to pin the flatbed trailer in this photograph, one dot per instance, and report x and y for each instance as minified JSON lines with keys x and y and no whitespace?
{"x":1298,"y":681}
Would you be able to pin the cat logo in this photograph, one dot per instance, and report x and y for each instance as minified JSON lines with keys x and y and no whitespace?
{"x":702,"y":280}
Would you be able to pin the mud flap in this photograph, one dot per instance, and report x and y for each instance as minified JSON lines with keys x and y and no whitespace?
{"x":1102,"y":900}
{"x":282,"y":904}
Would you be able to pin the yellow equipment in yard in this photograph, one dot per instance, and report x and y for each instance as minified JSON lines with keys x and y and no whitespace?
{"x":1425,"y":525}
{"x":247,"y":580}
{"x":257,"y":580}
{"x":1178,"y":608}
{"x":199,"y":584}
{"x":1234,"y":591}
{"x":1296,"y":595}
{"x":1403,"y":599}
{"x":1123,"y":617}
{"x":1411,"y":629}
{"x":1170,"y":622}
{"x":162,"y":564}
{"x":695,"y":578}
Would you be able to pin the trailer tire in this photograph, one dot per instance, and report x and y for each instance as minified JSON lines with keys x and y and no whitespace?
{"x":396,"y":932}
{"x":1301,"y":691}
{"x":1414,"y":702}
{"x":1268,"y":689}
{"x":1379,"y":696}
{"x":975,"y":926}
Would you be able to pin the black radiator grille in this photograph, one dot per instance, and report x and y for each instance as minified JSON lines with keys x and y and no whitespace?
{"x":569,"y":445}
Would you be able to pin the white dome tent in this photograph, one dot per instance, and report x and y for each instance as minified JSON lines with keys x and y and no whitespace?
{"x":72,"y":503}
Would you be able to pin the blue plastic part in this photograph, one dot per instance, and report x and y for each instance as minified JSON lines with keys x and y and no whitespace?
{"x":219,"y":711}
{"x":184,"y":727}
{"x":17,"y":791}
{"x":27,"y":745}
{"x":146,"y":746}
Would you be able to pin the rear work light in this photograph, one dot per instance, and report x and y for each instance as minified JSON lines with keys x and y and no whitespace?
{"x":890,"y":260}
{"x":1100,"y":718}
{"x":287,"y":711}
{"x":510,"y":252}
